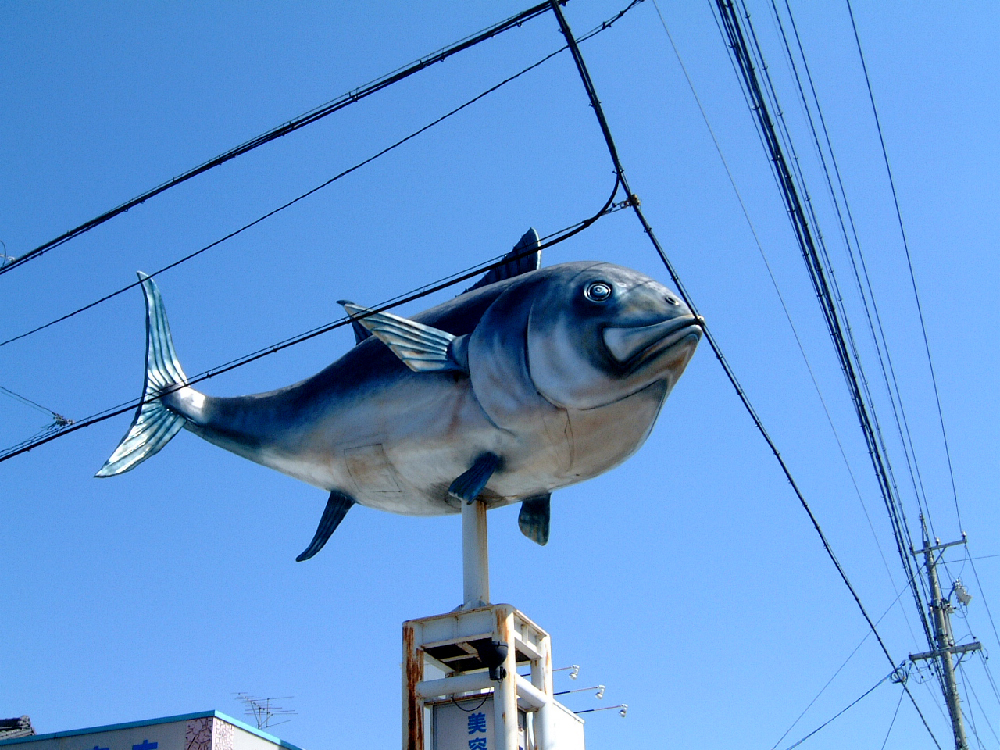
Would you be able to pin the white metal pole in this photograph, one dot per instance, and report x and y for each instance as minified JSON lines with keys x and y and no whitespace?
{"x":475,"y":556}
{"x":505,"y":692}
{"x":541,"y":678}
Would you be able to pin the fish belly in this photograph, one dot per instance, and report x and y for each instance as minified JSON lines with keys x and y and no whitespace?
{"x":605,"y":436}
{"x":399,"y":449}
{"x":401,"y":453}
{"x":410,"y":466}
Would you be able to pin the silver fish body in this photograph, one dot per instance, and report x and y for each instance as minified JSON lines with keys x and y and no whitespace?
{"x":558,"y":374}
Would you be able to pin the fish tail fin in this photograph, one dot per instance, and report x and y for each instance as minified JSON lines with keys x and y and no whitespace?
{"x":154,"y":424}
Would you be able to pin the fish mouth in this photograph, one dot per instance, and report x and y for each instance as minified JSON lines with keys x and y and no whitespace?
{"x":634,"y":346}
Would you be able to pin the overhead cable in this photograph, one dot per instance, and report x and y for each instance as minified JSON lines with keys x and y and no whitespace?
{"x":967,"y":684}
{"x":598,"y":110}
{"x":989,"y":675}
{"x":777,"y":289}
{"x":549,"y":241}
{"x":282,"y":207}
{"x":590,"y":34}
{"x":613,"y":152}
{"x":967,"y":714}
{"x":865,"y":289}
{"x":837,"y":672}
{"x":893,"y":721}
{"x":870,"y":307}
{"x":805,"y":225}
{"x":844,"y":710}
{"x":909,"y":260}
{"x":313,"y":115}
{"x":819,"y":276}
{"x":810,"y":239}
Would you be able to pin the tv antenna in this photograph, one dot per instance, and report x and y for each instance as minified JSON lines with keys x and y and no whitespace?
{"x":264,"y":711}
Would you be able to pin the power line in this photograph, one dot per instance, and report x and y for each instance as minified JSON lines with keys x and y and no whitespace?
{"x":282,"y":207}
{"x":839,"y":329}
{"x":989,"y":676}
{"x":893,"y":722}
{"x":909,"y":260}
{"x":631,"y":201}
{"x":893,"y":391}
{"x":843,"y":711}
{"x":613,"y":152}
{"x":781,"y":299}
{"x":549,"y":241}
{"x":885,"y":359}
{"x":607,"y":24}
{"x":609,"y":140}
{"x":824,"y":284}
{"x":837,"y":672}
{"x":968,"y":685}
{"x":313,"y":115}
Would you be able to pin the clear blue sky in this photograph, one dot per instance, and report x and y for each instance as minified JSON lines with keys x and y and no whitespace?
{"x":689,"y":580}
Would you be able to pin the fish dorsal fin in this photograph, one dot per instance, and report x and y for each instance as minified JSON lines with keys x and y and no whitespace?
{"x":525,"y":257}
{"x":422,"y":348}
{"x":360,"y":332}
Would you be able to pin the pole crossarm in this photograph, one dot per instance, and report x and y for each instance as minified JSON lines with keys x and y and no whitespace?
{"x":974,"y":646}
{"x":931,"y":548}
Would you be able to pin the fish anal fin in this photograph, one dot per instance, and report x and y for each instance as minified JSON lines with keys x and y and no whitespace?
{"x":533,"y":520}
{"x":336,"y":508}
{"x":472,"y":482}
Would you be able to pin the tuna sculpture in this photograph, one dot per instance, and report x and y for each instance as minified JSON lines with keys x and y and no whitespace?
{"x":531,"y":380}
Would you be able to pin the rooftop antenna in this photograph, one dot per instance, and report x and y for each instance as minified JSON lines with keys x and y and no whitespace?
{"x":58,"y":420}
{"x":264,"y":711}
{"x":4,"y":258}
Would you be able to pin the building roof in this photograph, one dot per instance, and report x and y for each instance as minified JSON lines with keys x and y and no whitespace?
{"x":30,"y":736}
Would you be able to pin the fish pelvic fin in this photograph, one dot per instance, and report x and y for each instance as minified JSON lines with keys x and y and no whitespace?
{"x":473,"y":481}
{"x":533,"y":520}
{"x":336,"y":508}
{"x":422,"y":348}
{"x":154,"y":424}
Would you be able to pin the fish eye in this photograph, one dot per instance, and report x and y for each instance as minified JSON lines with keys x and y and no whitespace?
{"x":672,"y":300}
{"x":598,"y":291}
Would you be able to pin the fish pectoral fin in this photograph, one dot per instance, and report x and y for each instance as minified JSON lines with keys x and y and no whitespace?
{"x":468,"y":486}
{"x":533,"y":519}
{"x":422,"y":348}
{"x":336,"y":508}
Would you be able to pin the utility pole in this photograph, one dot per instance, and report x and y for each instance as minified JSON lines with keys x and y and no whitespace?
{"x":944,"y":640}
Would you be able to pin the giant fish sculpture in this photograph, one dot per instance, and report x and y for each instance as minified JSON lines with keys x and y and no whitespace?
{"x":531,"y":380}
